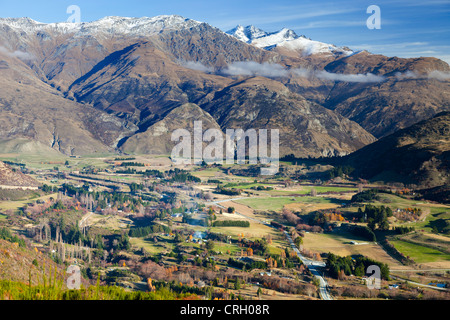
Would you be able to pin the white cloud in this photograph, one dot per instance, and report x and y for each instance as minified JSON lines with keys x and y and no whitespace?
{"x":271,"y":70}
{"x":439,"y":75}
{"x":406,"y":75}
{"x":252,"y":68}
{"x":360,"y":77}
{"x":435,"y":74}
{"x":325,"y":75}
{"x":198,"y":66}
{"x":17,"y":54}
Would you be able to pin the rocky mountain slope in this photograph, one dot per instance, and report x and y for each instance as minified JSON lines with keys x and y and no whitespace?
{"x":382,"y":94}
{"x":102,"y":85}
{"x":305,"y":128}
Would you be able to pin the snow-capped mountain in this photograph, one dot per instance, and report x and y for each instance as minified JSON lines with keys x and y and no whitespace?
{"x":111,"y":25}
{"x":247,"y":34}
{"x":93,"y":86}
{"x":285,"y":38}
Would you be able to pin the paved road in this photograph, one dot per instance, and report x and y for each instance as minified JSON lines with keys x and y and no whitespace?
{"x":315,"y":267}
{"x":84,"y":220}
{"x":420,"y":284}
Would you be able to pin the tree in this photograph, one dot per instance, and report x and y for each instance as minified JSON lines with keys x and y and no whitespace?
{"x":384,"y":225}
{"x":209,"y":245}
{"x":259,"y":292}
{"x":237,"y":284}
{"x":298,"y":241}
{"x":178,"y":238}
{"x":359,"y":270}
{"x":371,"y":223}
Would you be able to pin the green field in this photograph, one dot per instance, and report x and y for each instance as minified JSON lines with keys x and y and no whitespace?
{"x":300,"y":190}
{"x":224,"y":247}
{"x":150,"y":246}
{"x":437,"y":215}
{"x":244,"y":186}
{"x":418,"y":253}
{"x":437,"y":218}
{"x":16,"y":205}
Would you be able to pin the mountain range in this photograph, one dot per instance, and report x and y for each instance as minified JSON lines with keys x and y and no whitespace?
{"x":124,"y":84}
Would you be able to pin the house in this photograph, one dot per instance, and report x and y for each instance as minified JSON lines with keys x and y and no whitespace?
{"x":393,"y":286}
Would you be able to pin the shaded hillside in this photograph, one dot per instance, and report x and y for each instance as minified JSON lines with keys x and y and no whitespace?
{"x":419,"y":154}
{"x":438,"y":194}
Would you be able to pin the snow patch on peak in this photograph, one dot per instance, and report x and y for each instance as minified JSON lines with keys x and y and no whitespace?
{"x":275,"y":38}
{"x":247,"y":34}
{"x":285,"y":38}
{"x":109,"y":25}
{"x":309,"y":47}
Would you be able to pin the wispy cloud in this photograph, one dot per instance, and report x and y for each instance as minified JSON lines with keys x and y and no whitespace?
{"x":252,"y":68}
{"x":17,"y":54}
{"x":330,"y":24}
{"x":435,"y":74}
{"x":198,"y":66}
{"x":360,"y":77}
{"x":439,"y":75}
{"x":285,"y":14}
{"x":272,"y":70}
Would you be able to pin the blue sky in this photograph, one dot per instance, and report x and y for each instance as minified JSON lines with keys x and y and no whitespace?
{"x":409,"y":28}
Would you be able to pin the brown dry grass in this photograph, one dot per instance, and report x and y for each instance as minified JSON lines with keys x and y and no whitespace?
{"x":340,"y":244}
{"x":309,"y":207}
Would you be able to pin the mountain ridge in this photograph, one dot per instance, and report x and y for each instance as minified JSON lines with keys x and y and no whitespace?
{"x":419,"y":154}
{"x":123,"y":75}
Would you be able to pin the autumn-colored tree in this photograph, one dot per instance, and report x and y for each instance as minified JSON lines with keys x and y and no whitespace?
{"x":271,"y":262}
{"x":150,"y":285}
